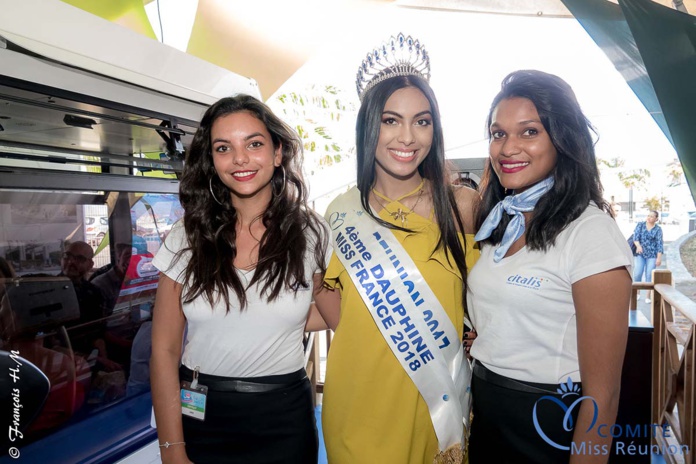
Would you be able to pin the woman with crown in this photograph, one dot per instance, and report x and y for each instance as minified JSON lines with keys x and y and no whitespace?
{"x":550,"y":293}
{"x":396,"y":378}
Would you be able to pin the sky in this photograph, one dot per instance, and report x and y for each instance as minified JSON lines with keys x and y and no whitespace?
{"x":470,"y":55}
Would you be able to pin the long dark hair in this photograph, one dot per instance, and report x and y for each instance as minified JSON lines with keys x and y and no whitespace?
{"x":576,"y":176}
{"x":292,"y":229}
{"x":433,"y":167}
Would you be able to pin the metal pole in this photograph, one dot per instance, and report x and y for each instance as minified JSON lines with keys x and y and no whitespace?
{"x":679,"y":5}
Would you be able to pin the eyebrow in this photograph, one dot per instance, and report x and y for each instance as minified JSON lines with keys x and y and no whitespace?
{"x":422,"y":113}
{"x":521,"y":123}
{"x":248,"y":137}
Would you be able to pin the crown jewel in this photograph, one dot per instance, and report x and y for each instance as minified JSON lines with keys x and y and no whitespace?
{"x":399,"y":56}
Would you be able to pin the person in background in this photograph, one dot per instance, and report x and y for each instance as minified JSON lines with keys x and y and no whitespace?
{"x":239,"y":272}
{"x":382,"y":402}
{"x":141,"y":351}
{"x":6,"y":269}
{"x":647,"y":238}
{"x":6,"y":272}
{"x":87,"y":334}
{"x":109,"y":283}
{"x":75,"y":264}
{"x":550,"y":293}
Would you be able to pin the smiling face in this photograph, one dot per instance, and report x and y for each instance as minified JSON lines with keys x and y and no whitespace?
{"x":406,"y":135}
{"x":520,"y":149}
{"x":243,"y":155}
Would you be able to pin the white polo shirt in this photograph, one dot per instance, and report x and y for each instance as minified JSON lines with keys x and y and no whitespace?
{"x":522,"y":307}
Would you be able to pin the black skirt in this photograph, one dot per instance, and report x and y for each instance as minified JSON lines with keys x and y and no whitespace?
{"x":276,"y":426}
{"x":502,"y":428}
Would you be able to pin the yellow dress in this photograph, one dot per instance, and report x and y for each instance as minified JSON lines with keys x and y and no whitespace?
{"x":371,"y":410}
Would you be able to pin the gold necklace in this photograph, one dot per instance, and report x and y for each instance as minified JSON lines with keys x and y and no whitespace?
{"x":400,"y":214}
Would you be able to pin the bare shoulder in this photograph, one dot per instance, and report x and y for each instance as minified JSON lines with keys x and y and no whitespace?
{"x":465,"y":194}
{"x":467,"y":201}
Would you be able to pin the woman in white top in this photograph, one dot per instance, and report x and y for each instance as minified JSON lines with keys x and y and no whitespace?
{"x":239,"y":272}
{"x":549,"y":296}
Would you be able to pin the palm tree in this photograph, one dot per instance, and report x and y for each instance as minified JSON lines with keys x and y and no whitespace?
{"x":675,"y":173}
{"x":613,"y":163}
{"x":635,"y":178}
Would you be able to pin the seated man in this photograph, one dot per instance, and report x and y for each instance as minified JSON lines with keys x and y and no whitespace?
{"x":109,"y":283}
{"x":75,"y":264}
{"x":88,"y":332}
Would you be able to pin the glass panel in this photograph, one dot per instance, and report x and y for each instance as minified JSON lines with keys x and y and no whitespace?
{"x":77,"y":291}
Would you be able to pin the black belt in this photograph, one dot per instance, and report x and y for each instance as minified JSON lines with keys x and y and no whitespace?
{"x":487,"y":375}
{"x":255,"y":385}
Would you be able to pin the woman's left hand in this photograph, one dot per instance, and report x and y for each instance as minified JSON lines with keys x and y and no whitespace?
{"x":469,"y":338}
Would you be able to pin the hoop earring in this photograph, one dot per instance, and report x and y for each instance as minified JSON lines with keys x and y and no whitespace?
{"x":282,"y":189}
{"x":210,"y":186}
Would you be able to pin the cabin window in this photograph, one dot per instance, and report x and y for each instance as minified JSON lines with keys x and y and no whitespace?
{"x":86,"y":323}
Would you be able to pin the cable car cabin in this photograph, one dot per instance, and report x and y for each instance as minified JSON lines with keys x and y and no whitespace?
{"x":89,"y":168}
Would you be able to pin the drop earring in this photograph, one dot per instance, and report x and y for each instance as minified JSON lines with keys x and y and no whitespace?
{"x":210,"y":186}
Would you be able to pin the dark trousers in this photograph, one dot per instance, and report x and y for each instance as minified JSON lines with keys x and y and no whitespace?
{"x":503,"y":430}
{"x":278,"y":426}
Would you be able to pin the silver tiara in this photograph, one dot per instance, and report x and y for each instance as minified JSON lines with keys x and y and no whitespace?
{"x":400,"y":56}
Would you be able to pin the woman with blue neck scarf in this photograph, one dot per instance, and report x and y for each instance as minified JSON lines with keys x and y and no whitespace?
{"x":549,"y":296}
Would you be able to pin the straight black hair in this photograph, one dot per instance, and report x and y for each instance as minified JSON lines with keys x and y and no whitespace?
{"x":576,"y":175}
{"x":433,"y":167}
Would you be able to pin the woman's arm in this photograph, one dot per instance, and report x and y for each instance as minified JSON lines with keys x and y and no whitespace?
{"x":636,"y":241}
{"x":601,"y":306}
{"x":467,"y":200}
{"x":315,"y":321}
{"x":660,"y":246}
{"x":328,"y":303}
{"x":168,"y":324}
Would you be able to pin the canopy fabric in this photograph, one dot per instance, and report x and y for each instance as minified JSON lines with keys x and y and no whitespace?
{"x":666,"y":40}
{"x":654,"y":47}
{"x":605,"y":23}
{"x":126,"y":13}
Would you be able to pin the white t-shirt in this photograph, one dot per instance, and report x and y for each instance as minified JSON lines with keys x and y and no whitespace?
{"x":263,"y":339}
{"x":522,"y":307}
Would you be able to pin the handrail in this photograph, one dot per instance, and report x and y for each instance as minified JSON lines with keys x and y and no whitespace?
{"x":682,"y":303}
{"x":673,"y":368}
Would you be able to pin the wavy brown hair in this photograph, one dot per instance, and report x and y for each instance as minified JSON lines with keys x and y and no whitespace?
{"x":292,"y":229}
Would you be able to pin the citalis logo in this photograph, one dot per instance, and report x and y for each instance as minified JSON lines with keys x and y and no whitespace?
{"x":519,"y":280}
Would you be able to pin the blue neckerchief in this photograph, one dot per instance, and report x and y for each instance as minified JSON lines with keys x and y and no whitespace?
{"x":513,"y":205}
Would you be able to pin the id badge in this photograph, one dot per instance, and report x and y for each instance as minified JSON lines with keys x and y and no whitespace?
{"x":193,"y":396}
